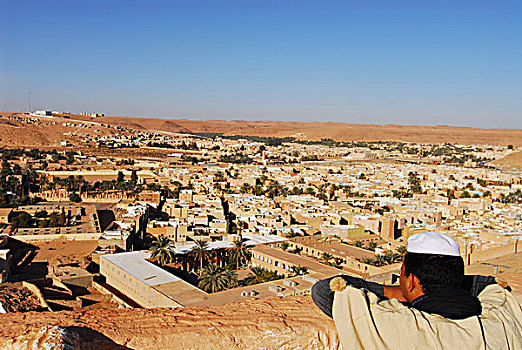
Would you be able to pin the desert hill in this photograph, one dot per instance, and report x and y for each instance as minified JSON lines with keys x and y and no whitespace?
{"x":513,"y":160}
{"x":50,"y":131}
{"x":319,"y":130}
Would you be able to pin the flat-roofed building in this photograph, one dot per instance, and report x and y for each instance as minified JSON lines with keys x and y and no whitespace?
{"x":342,"y":231}
{"x":147,"y":284}
{"x":350,"y":257}
{"x":283,"y":262}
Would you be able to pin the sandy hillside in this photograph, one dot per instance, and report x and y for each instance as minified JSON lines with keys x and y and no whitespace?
{"x":18,"y":134}
{"x":513,"y":160}
{"x":336,"y":131}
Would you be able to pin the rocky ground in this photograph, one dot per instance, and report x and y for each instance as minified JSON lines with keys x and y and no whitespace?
{"x":288,"y":323}
{"x":15,"y":298}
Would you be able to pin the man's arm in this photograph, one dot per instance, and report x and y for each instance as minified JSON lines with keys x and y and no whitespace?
{"x":323,"y":296}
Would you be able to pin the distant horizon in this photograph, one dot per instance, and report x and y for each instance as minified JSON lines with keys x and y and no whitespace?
{"x":406,"y":62}
{"x":273,"y":120}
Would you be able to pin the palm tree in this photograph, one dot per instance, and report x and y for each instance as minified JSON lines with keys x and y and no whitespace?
{"x":162,"y":250}
{"x":212,"y":279}
{"x":299,"y":270}
{"x":358,"y":244}
{"x":380,"y":260}
{"x":239,"y":254}
{"x":201,"y":253}
{"x":368,"y":261}
{"x":230,"y":278}
{"x":326,"y":257}
{"x":372,"y":246}
{"x":258,"y":275}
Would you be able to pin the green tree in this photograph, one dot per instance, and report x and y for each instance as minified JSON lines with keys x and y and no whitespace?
{"x":358,"y":244}
{"x":257,"y":275}
{"x":201,"y":254}
{"x":246,"y":188}
{"x":75,"y":197}
{"x":326,"y":257}
{"x":22,"y":220}
{"x":372,"y":246}
{"x":134,"y":177}
{"x":239,"y":254}
{"x":299,"y":270}
{"x":162,"y":250}
{"x":212,"y":279}
{"x":120,"y":178}
{"x":230,"y":278}
{"x":41,"y":214}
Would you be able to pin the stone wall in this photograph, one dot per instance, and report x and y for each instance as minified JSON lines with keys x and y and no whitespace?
{"x":287,"y":323}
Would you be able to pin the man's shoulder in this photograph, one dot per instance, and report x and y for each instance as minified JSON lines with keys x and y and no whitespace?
{"x":495,"y":296}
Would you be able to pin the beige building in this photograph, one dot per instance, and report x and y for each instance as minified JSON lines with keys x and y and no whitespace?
{"x":342,"y":231}
{"x":147,"y":284}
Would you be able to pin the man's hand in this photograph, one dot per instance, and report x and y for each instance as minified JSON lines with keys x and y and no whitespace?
{"x":394,"y":292}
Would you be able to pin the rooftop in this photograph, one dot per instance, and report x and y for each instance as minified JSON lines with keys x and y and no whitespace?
{"x":135,"y":263}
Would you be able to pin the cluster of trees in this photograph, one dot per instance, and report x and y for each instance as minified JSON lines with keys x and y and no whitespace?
{"x":414,"y":182}
{"x":371,"y":245}
{"x":15,"y":182}
{"x":269,"y":188}
{"x":329,"y":259}
{"x":236,"y":158}
{"x":311,"y":158}
{"x":214,"y":274}
{"x":277,"y":141}
{"x":160,"y":144}
{"x":272,"y":188}
{"x":40,"y":219}
{"x":206,"y":263}
{"x":382,"y":260}
{"x":79,"y":184}
{"x":513,"y":197}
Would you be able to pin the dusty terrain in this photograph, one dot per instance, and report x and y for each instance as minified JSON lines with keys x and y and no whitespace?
{"x":18,"y":134}
{"x":335,"y":131}
{"x":59,"y":252}
{"x":513,"y":160}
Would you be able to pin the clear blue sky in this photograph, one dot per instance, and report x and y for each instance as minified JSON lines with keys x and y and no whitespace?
{"x":406,"y":62}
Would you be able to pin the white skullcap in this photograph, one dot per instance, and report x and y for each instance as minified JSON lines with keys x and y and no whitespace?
{"x":433,"y":243}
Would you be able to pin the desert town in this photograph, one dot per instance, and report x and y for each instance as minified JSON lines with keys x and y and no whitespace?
{"x":109,"y":216}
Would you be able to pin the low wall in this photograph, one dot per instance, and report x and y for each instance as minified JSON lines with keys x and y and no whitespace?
{"x":67,"y":237}
{"x":286,"y":323}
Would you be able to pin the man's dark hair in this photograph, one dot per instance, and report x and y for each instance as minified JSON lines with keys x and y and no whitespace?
{"x":434,"y":271}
